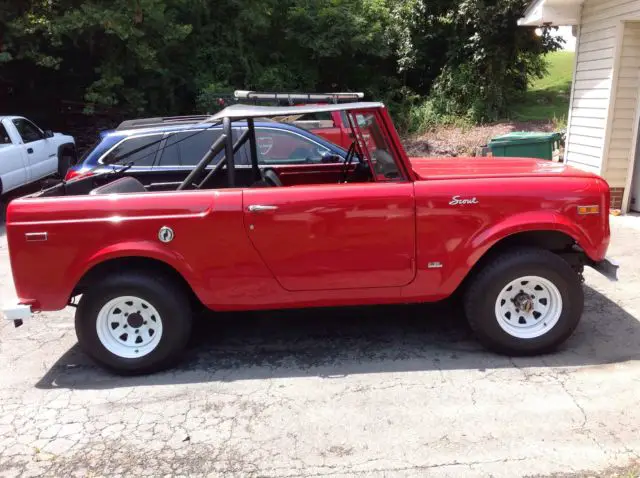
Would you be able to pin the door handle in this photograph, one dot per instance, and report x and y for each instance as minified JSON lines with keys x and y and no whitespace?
{"x":261,"y":208}
{"x":30,"y":150}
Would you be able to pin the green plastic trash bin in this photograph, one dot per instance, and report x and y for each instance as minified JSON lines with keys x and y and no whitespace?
{"x":527,"y":145}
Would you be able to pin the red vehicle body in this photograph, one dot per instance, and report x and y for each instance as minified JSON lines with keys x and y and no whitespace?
{"x":333,"y":126}
{"x":317,"y":241}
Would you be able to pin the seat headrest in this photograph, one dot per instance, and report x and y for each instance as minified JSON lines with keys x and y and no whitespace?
{"x":126,"y":184}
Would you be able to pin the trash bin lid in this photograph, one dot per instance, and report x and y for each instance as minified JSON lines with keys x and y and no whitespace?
{"x":525,"y":137}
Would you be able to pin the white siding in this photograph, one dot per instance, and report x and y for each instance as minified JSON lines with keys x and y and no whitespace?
{"x":594,"y":79}
{"x":625,"y":101}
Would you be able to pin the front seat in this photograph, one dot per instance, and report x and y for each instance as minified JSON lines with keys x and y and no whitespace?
{"x":126,"y":184}
{"x":269,"y":179}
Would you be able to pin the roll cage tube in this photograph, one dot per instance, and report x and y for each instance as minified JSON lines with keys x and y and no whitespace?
{"x":257,"y":176}
{"x":228,"y":151}
{"x":225,"y":141}
{"x":216,"y":147}
{"x":217,"y":167}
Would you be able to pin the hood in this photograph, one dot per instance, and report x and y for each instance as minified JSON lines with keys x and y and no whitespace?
{"x":491,"y":167}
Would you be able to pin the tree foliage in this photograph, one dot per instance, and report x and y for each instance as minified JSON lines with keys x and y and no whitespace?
{"x":174,"y":56}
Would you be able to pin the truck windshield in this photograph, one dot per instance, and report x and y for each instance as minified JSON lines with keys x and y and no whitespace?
{"x":375,"y":143}
{"x":4,"y":137}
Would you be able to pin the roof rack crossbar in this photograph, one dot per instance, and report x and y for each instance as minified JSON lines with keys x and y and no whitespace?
{"x":298,"y":97}
{"x":159,"y":120}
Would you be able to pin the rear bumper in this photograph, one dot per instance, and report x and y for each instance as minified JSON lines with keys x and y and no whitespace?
{"x":16,"y":312}
{"x":607,"y":267}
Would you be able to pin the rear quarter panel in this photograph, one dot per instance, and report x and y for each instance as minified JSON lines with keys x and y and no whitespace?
{"x":210,"y":249}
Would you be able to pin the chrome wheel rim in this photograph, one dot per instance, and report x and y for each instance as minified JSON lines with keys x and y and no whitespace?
{"x":528,"y":307}
{"x":129,"y":327}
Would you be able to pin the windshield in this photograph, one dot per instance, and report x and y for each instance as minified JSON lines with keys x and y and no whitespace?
{"x":373,"y":140}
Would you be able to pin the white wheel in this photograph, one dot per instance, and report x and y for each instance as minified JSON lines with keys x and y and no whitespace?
{"x":129,"y":327}
{"x":528,"y":307}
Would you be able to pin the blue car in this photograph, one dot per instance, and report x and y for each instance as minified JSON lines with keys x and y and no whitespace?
{"x":156,"y":149}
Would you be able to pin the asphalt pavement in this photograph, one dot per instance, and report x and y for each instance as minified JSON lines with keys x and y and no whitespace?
{"x":376,"y":391}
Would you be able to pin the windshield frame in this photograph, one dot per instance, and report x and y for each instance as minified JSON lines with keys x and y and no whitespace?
{"x":386,"y":137}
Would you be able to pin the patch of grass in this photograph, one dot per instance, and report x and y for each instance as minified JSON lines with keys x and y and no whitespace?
{"x":548,"y":98}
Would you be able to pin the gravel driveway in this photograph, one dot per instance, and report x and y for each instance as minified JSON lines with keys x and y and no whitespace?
{"x":389,"y":391}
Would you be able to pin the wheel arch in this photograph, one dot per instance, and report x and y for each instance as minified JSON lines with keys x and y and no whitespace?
{"x":131,"y":263}
{"x":553,"y":240}
{"x":68,"y":148}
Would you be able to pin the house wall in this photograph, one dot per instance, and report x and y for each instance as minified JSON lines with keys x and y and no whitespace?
{"x":604,"y":94}
{"x":618,"y":154}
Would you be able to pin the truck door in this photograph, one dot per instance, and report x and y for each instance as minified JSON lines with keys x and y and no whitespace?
{"x":339,"y":235}
{"x":13,"y":167}
{"x":334,"y":236}
{"x":42,"y":157}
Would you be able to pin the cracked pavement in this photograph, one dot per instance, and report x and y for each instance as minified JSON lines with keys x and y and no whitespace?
{"x":386,"y":391}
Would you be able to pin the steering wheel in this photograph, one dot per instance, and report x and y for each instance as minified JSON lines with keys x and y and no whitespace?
{"x":351,"y":152}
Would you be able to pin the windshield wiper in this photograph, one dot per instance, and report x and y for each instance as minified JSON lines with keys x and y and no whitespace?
{"x":125,"y":167}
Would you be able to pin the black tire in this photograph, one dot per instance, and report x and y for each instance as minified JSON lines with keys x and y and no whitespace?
{"x":484,"y":289}
{"x":65,"y":160}
{"x":160,"y":293}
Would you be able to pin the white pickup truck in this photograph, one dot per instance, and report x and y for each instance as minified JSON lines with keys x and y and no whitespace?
{"x":28,"y":154}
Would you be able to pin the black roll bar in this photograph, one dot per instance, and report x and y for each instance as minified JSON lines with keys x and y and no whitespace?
{"x":216,"y":147}
{"x":241,"y":140}
{"x":257,"y":176}
{"x":228,"y":151}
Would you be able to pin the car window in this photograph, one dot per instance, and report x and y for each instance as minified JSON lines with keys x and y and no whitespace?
{"x":375,"y":142}
{"x":27,"y":130}
{"x":4,"y":137}
{"x":286,"y":147}
{"x":189,"y":147}
{"x":140,"y":150}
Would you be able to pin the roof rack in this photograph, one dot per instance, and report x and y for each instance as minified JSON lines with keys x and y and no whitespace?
{"x":159,"y":120}
{"x":292,"y":98}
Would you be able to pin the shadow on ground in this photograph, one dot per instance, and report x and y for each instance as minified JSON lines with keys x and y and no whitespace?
{"x":347,"y":341}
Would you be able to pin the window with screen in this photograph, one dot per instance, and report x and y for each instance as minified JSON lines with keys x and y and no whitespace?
{"x":27,"y":130}
{"x":141,"y":151}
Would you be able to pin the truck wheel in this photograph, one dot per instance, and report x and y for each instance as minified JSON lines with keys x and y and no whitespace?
{"x":64,"y":163}
{"x":524,"y":302}
{"x":134,"y":323}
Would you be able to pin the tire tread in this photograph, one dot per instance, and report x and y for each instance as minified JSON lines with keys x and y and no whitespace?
{"x":476,"y":293}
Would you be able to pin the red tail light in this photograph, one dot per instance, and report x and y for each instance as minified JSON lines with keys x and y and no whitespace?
{"x":75,"y":174}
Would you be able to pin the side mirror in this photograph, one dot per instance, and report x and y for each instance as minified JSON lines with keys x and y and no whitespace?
{"x":329,"y":157}
{"x":48,"y":133}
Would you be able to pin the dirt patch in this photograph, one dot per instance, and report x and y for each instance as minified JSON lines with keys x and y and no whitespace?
{"x":630,"y":471}
{"x":448,"y":141}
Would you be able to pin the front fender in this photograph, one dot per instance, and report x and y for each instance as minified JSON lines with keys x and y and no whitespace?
{"x":531,"y":221}
{"x":478,"y":245}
